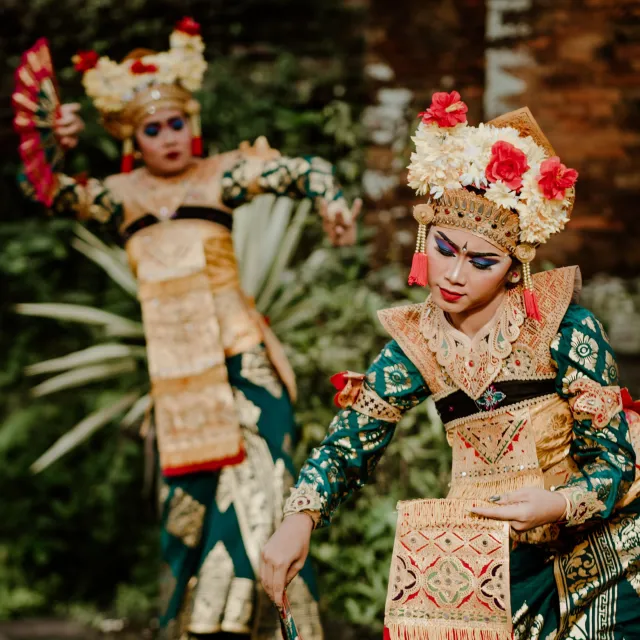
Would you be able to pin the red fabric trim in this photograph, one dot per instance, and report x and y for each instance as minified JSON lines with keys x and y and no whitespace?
{"x":210,"y":465}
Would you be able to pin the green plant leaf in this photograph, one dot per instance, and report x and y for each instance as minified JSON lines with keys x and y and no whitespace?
{"x":84,"y":375}
{"x":82,"y":431}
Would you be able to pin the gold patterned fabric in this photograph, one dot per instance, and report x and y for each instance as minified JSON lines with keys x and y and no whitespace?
{"x":449,"y":574}
{"x":592,"y":401}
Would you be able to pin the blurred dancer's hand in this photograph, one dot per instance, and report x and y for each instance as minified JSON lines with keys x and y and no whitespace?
{"x":339,"y":222}
{"x":284,"y":555}
{"x":526,"y":508}
{"x":68,"y":125}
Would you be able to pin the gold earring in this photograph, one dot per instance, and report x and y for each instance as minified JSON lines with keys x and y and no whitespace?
{"x":514,"y":276}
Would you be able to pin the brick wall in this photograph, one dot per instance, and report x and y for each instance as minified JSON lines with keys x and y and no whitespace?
{"x":575,"y":63}
{"x":414,"y":47}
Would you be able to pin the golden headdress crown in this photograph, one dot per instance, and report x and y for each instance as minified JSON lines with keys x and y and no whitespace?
{"x":501,"y":180}
{"x":508,"y":161}
{"x":145,"y":81}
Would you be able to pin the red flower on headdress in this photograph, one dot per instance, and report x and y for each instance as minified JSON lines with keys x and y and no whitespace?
{"x":139,"y":68}
{"x":507,"y":163}
{"x":188,"y":26}
{"x":446,"y":110}
{"x":85,"y":60}
{"x":555,"y":179}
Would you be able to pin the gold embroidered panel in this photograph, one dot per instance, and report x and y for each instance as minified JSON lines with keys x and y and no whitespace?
{"x":494,"y":455}
{"x":181,"y":328}
{"x":140,"y":192}
{"x":168,"y":250}
{"x":196,"y":421}
{"x":449,"y":574}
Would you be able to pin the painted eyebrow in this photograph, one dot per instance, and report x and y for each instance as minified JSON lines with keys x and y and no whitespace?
{"x":470,"y":254}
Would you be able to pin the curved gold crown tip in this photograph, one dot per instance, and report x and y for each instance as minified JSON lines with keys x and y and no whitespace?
{"x":260,"y":149}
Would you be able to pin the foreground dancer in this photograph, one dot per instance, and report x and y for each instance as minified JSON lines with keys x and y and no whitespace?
{"x":526,"y":385}
{"x":221,"y":385}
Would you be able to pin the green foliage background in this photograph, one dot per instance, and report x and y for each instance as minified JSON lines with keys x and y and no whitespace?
{"x":82,"y":532}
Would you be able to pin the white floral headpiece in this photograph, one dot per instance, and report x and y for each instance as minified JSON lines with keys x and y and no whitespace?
{"x":508,"y":167}
{"x":112,"y":85}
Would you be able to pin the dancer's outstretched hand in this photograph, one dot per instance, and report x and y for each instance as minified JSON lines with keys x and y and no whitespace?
{"x":526,"y":508}
{"x":339,"y":221}
{"x":284,"y":555}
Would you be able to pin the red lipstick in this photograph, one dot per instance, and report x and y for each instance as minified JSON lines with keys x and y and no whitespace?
{"x":450,"y":296}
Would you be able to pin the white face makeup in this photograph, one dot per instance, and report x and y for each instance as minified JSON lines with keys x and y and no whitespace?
{"x":164,"y":139}
{"x":466,"y":272}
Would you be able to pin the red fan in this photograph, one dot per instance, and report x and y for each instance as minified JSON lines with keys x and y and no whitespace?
{"x":36,"y":105}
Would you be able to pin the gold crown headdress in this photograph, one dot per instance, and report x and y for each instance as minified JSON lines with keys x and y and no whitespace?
{"x":126,"y":92}
{"x":501,"y":180}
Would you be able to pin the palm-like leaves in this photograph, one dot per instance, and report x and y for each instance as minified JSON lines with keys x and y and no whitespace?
{"x":266,"y":234}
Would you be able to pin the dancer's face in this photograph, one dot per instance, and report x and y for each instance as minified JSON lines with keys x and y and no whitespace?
{"x":466,"y":272}
{"x":164,"y":140}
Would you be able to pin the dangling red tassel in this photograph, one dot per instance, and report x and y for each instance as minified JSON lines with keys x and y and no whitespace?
{"x":531,"y":305}
{"x":196,"y":146}
{"x":419,"y":269}
{"x":386,"y":635}
{"x":126,"y":164}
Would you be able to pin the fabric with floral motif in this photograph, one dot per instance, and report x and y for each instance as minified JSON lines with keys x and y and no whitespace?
{"x":605,"y":457}
{"x":355,"y":442}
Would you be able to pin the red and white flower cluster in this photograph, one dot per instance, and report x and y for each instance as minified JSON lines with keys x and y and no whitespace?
{"x":511,"y":170}
{"x":112,"y":85}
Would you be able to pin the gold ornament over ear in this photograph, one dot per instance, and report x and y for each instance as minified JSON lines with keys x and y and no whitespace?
{"x":423,"y":213}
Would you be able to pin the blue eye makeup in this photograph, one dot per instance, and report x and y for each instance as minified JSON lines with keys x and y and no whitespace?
{"x":152,"y":130}
{"x":483,"y":263}
{"x":177,"y":124}
{"x":444,"y":248}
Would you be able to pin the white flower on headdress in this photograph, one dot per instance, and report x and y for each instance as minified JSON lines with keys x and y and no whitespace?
{"x":539,"y":218}
{"x":190,"y":72}
{"x":500,"y":193}
{"x":181,"y":40}
{"x":111,"y":85}
{"x":438,"y":160}
{"x":167,"y":72}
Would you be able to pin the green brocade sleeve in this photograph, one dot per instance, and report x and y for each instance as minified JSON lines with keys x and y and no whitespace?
{"x":601,"y":447}
{"x":355,"y":441}
{"x":306,"y":177}
{"x":86,"y":199}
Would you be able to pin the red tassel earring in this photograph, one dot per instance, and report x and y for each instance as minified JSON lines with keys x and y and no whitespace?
{"x":526,"y":253}
{"x":423,"y":213}
{"x":193,"y":109}
{"x":126,"y":164}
